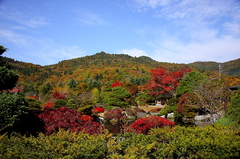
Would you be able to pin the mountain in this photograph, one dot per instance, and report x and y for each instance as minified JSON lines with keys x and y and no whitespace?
{"x":101,"y":67}
{"x":230,"y":68}
{"x":103,"y":60}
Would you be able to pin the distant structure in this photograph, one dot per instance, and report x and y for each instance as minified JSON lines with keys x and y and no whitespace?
{"x":14,"y":91}
{"x":220,"y":69}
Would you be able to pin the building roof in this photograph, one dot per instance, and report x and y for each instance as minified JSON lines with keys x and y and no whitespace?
{"x":12,"y":91}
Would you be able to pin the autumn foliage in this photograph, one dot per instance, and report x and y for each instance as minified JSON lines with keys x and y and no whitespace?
{"x":164,"y":81}
{"x":33,"y":97}
{"x":48,"y":105}
{"x":68,"y":119}
{"x":59,"y":95}
{"x":98,"y":109}
{"x":117,"y":84}
{"x":114,"y":113}
{"x":187,"y":105}
{"x":143,"y":125}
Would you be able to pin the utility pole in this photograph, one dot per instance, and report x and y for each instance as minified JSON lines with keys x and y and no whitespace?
{"x":220,"y":70}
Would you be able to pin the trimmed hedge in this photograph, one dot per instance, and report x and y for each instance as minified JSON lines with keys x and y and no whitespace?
{"x":60,"y":145}
{"x":176,"y":142}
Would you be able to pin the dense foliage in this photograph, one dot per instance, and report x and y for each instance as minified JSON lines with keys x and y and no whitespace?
{"x":8,"y":77}
{"x":230,"y":67}
{"x":13,"y":109}
{"x":60,"y":145}
{"x":115,"y":113}
{"x":164,"y":81}
{"x":118,"y":97}
{"x":176,"y":142}
{"x":33,"y":103}
{"x":65,"y":118}
{"x":187,"y":105}
{"x":234,"y":110}
{"x":59,"y":103}
{"x":190,"y":82}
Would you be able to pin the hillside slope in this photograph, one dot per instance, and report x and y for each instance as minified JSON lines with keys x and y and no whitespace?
{"x":230,"y":68}
{"x":102,"y":67}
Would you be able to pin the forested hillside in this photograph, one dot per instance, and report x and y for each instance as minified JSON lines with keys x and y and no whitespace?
{"x":100,"y":67}
{"x":230,"y":68}
{"x":85,"y":73}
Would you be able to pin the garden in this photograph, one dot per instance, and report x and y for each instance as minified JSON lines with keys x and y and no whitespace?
{"x":118,"y":119}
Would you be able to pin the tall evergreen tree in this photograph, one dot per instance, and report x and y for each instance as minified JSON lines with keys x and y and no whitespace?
{"x":8,"y":78}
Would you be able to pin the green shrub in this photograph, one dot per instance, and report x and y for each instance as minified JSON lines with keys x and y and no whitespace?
{"x":234,"y":110}
{"x":196,"y":142}
{"x":167,"y":109}
{"x":176,"y":142}
{"x":144,"y":99}
{"x":173,"y":101}
{"x":60,"y":145}
{"x":86,"y":108}
{"x":180,"y":142}
{"x":178,"y":117}
{"x":33,"y":104}
{"x":71,"y":104}
{"x":118,"y":97}
{"x":59,"y":103}
{"x":134,"y":146}
{"x":225,"y":121}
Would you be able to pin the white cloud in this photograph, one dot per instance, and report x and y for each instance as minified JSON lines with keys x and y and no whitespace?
{"x":133,"y":52}
{"x":233,"y":28}
{"x":153,"y":4}
{"x":90,"y":19}
{"x":50,"y":53}
{"x":66,"y":52}
{"x":197,"y":30}
{"x":28,"y":20}
{"x":191,"y":13}
{"x":14,"y":37}
{"x":35,"y":22}
{"x":39,"y":50}
{"x":220,"y":50}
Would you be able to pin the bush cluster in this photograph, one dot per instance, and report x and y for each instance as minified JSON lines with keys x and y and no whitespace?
{"x":115,"y":113}
{"x":144,"y":125}
{"x":68,"y":119}
{"x":176,"y":142}
{"x":167,"y":109}
{"x":33,"y":103}
{"x":59,"y":103}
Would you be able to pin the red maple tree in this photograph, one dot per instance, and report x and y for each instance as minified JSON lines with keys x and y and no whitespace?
{"x":165,"y":82}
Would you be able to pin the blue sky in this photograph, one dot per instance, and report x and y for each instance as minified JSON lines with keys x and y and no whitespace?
{"x":178,"y":31}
